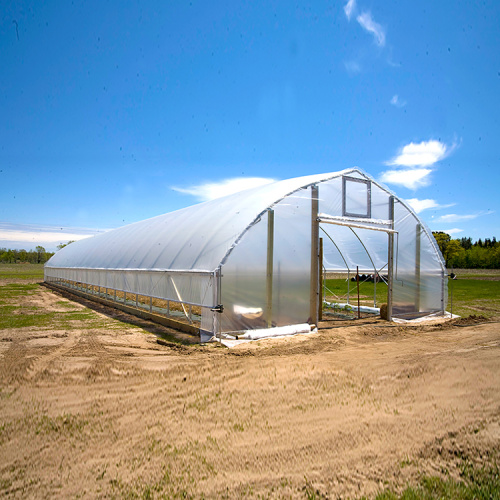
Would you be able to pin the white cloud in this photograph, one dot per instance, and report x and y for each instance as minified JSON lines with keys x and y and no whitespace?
{"x":409,"y":178}
{"x":421,"y":205}
{"x":452,"y":231}
{"x":34,"y":237}
{"x":213,"y":190}
{"x":29,"y":236}
{"x":456,"y":218}
{"x":396,"y":101}
{"x":352,"y":67}
{"x":422,"y":154}
{"x":349,"y":8}
{"x":368,"y":24}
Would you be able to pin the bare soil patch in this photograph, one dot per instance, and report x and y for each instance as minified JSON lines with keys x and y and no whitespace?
{"x":106,"y":411}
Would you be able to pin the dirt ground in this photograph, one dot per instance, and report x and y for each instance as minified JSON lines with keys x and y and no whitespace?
{"x":106,"y":411}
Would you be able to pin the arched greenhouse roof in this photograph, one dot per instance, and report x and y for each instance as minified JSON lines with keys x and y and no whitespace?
{"x":193,"y":238}
{"x":196,"y":238}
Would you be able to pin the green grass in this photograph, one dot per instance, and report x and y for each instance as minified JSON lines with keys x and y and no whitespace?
{"x":339,"y":287}
{"x":470,"y":296}
{"x":21,"y":271}
{"x":16,"y":317}
{"x":14,"y":290}
{"x":475,"y":483}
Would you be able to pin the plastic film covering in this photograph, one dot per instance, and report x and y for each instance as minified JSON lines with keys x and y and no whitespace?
{"x":419,"y":275}
{"x":354,"y":247}
{"x":244,"y":276}
{"x":181,"y":287}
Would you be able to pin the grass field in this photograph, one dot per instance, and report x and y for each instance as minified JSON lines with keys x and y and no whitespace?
{"x":21,"y":272}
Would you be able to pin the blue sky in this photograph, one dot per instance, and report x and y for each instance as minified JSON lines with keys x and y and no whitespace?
{"x":113,"y":112}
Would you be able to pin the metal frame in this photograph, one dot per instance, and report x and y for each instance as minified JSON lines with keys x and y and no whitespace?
{"x":345,"y":180}
{"x":269,"y":267}
{"x":390,"y":253}
{"x":314,"y":290}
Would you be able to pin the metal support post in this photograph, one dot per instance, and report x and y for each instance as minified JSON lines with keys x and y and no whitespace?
{"x":390,"y":264}
{"x":269,"y":268}
{"x":357,"y":284}
{"x":314,"y":292}
{"x":320,"y":302}
{"x":417,"y":267}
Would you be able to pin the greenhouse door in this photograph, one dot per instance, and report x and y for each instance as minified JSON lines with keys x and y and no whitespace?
{"x":357,"y":246}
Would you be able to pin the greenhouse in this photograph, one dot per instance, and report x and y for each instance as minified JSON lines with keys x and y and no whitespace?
{"x":255,"y":260}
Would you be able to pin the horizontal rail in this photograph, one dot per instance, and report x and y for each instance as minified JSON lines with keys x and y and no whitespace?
{"x":329,"y":220}
{"x":135,"y":269}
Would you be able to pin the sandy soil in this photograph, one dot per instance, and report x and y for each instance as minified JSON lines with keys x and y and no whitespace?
{"x":108,"y":412}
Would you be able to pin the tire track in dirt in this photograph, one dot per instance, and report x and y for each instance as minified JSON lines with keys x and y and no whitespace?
{"x":42,"y":363}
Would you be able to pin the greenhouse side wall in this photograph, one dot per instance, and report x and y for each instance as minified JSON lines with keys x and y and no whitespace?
{"x":182,"y":295}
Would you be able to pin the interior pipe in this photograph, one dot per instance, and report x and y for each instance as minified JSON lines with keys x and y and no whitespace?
{"x":374,"y":267}
{"x":180,"y":300}
{"x":277,"y":331}
{"x":367,"y":309}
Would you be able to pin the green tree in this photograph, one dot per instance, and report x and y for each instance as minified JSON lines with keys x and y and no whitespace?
{"x":41,"y":256}
{"x":62,"y":245}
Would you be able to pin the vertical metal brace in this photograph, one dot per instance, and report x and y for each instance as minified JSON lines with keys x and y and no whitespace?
{"x":320,"y":302}
{"x":357,"y":286}
{"x":390,"y":264}
{"x":218,"y":292}
{"x":269,"y":268}
{"x":314,"y":292}
{"x":417,"y":267}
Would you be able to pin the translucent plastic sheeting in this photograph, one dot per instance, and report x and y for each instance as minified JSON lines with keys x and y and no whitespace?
{"x":344,"y":245}
{"x":244,"y":285}
{"x":418,"y":284}
{"x":180,"y":287}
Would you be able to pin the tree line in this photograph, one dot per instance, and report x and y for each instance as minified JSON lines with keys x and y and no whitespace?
{"x":462,"y":253}
{"x":14,"y":256}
